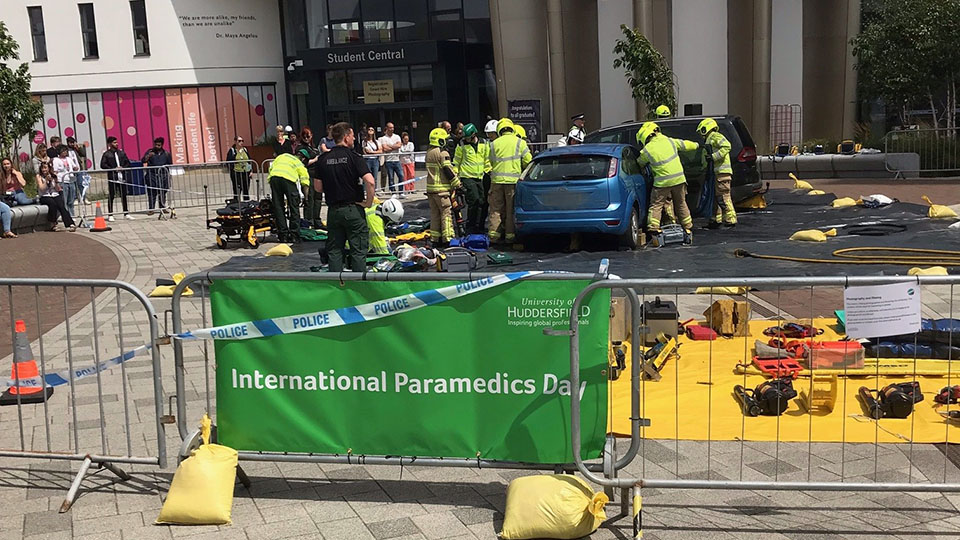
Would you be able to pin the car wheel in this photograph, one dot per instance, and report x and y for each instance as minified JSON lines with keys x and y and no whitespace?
{"x":631,"y":237}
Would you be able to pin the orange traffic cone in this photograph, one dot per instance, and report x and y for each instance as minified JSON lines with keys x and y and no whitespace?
{"x":24,"y":367}
{"x":99,"y":224}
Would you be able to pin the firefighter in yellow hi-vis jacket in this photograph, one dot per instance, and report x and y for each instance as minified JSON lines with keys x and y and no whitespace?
{"x":442,"y":180}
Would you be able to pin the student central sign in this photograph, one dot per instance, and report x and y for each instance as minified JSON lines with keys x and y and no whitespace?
{"x":415,"y":52}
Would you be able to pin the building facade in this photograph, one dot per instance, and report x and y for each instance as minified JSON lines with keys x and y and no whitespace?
{"x":199,"y":73}
{"x":409,"y":62}
{"x":195,"y":73}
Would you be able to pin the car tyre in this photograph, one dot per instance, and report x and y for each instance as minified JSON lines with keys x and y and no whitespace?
{"x":631,"y":237}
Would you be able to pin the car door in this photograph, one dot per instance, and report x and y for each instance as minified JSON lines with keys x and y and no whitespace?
{"x":634,"y":179}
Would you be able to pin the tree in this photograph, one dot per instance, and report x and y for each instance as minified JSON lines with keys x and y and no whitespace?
{"x":647,"y":71}
{"x":18,"y":110}
{"x":906,"y":55}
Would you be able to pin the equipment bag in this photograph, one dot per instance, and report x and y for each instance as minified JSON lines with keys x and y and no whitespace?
{"x":793,"y":331}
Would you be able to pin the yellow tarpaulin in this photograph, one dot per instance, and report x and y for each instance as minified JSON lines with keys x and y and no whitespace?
{"x":695,"y":396}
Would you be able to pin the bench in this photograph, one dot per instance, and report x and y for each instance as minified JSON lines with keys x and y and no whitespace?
{"x":28,"y":218}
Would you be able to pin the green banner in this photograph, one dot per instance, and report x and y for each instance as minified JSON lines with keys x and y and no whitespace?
{"x":471,"y":376}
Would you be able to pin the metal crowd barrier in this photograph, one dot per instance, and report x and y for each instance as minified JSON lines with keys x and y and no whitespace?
{"x":711,"y":463}
{"x":90,"y":417}
{"x":938,"y":150}
{"x":191,"y":438}
{"x":171,"y":186}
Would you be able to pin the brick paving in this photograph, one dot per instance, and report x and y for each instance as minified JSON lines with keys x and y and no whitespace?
{"x":303,"y":500}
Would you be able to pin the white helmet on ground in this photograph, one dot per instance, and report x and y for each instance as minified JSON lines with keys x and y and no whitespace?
{"x":392,"y":209}
{"x":491,"y":127}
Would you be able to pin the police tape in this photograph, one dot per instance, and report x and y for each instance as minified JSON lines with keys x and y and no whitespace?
{"x":61,"y":378}
{"x":331,"y":318}
{"x":292,"y":324}
{"x":411,"y":181}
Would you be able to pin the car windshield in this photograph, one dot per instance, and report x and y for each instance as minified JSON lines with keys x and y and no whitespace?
{"x":569,"y":167}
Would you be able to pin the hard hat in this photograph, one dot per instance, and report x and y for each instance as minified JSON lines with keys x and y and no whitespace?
{"x":438,"y":137}
{"x":491,"y":127}
{"x":469,"y":130}
{"x":288,"y":129}
{"x":663,"y":111}
{"x":504,"y":123}
{"x":646,"y":130}
{"x":392,"y":209}
{"x":706,"y":126}
{"x":520,"y":131}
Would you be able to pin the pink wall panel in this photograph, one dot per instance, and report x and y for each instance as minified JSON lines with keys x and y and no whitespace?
{"x":191,"y":125}
{"x":142,"y":124}
{"x":111,"y":114}
{"x":208,"y":124}
{"x":158,"y":116}
{"x":128,"y":124}
{"x":225,"y":119}
{"x":178,"y":139}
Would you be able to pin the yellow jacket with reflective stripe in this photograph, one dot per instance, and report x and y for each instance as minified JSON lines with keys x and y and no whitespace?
{"x":662,"y":154}
{"x":436,"y":161}
{"x":288,"y":166}
{"x":470,"y":162}
{"x":378,"y":238}
{"x":509,"y":155}
{"x":721,"y":152}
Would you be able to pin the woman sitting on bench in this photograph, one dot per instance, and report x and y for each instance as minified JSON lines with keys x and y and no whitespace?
{"x":51,"y":194}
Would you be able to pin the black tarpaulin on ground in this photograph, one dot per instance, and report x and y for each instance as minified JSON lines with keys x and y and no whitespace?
{"x":712,"y":254}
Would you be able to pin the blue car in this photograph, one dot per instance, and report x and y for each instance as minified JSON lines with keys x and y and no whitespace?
{"x":591,"y":188}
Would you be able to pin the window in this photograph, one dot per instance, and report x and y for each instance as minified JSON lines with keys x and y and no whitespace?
{"x":318,"y":33}
{"x":377,"y":21}
{"x":35,"y":13}
{"x":421,"y":83}
{"x":88,"y":29}
{"x":344,"y":21}
{"x":338,"y":89}
{"x":476,"y":21}
{"x":446,"y":20}
{"x":629,"y":163}
{"x":141,"y":40}
{"x":412,"y":21}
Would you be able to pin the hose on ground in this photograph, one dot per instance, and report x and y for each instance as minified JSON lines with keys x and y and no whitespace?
{"x":871,"y":255}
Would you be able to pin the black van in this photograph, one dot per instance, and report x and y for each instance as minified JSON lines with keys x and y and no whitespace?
{"x":743,"y":151}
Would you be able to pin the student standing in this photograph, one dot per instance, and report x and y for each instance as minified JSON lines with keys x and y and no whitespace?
{"x":157,"y":176}
{"x":240,"y":170}
{"x":408,"y":162}
{"x":115,"y":160}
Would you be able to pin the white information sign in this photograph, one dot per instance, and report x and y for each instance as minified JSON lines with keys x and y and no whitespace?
{"x":882,"y":310}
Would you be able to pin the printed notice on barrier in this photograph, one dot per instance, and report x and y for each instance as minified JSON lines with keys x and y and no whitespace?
{"x":882,"y":310}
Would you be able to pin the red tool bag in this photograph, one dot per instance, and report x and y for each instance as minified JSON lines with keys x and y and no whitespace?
{"x":701,"y":333}
{"x":833,"y":354}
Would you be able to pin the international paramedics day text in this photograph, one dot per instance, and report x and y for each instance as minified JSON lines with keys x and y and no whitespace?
{"x":499,"y":384}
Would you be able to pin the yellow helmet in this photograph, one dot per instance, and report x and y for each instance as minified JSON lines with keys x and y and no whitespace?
{"x":646,"y":130}
{"x":706,"y":126}
{"x":663,"y":111}
{"x":520,"y":131}
{"x":438,"y":137}
{"x":504,"y":123}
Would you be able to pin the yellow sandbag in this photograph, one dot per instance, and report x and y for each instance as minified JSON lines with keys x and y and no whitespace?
{"x":721,"y":290}
{"x":816,"y":192}
{"x":929,"y":271}
{"x":551,"y":506}
{"x":755,"y":202}
{"x":813,"y":235}
{"x":845,"y":202}
{"x":939,"y":210}
{"x":800,"y":184}
{"x":279,"y":250}
{"x":201,"y":492}
{"x":166,"y":291}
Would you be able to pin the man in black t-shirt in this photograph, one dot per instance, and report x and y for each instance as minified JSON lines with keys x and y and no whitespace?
{"x":348,"y":186}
